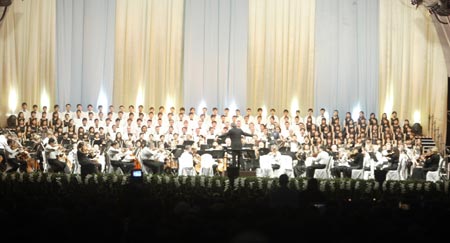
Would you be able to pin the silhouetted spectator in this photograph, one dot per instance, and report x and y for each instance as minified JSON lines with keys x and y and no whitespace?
{"x":284,"y":196}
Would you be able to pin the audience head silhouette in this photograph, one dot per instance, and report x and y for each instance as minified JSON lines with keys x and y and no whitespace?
{"x":283,"y":180}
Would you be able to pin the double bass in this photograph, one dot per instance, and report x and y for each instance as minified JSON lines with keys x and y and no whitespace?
{"x":170,"y":163}
{"x":222,"y":165}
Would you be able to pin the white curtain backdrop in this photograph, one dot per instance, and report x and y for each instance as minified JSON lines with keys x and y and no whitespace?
{"x":215,"y":53}
{"x":347,"y":54}
{"x":85,"y":51}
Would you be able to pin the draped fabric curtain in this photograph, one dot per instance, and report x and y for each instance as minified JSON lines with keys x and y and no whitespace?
{"x":413,"y":75}
{"x":443,"y":31}
{"x":27,"y":53}
{"x":85,"y":51}
{"x":281,"y":54}
{"x":149,"y":52}
{"x":215,"y":53}
{"x":346,"y":56}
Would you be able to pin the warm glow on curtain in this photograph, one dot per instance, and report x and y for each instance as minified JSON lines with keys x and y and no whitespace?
{"x":148,"y":53}
{"x":281,"y":54}
{"x":413,"y":75}
{"x":27,"y":53}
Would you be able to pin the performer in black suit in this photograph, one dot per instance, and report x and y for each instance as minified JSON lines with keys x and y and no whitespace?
{"x":235,"y":134}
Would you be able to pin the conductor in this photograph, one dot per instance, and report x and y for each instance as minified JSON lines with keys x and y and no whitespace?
{"x":235,"y":134}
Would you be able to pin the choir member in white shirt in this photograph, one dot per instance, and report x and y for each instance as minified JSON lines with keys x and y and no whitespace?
{"x":310,"y":114}
{"x":321,"y":116}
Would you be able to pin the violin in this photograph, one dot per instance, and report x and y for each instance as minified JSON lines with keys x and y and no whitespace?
{"x":32,"y":164}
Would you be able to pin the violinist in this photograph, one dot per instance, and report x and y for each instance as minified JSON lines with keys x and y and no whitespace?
{"x":12,"y":148}
{"x":430,"y":162}
{"x":275,"y":156}
{"x":51,"y":150}
{"x":87,"y":161}
{"x":319,"y":162}
{"x":356,"y":162}
{"x":118,"y":158}
{"x":148,"y":159}
{"x":393,"y":156}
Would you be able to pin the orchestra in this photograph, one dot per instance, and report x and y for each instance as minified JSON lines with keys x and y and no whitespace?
{"x":162,"y":135}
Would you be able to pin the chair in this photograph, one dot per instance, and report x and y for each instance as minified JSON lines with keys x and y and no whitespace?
{"x":325,"y":172}
{"x":359,"y":173}
{"x":186,"y":165}
{"x":45,"y":162}
{"x":394,"y":175}
{"x":435,"y":175}
{"x":207,"y":163}
{"x":112,"y":168}
{"x":286,"y":166}
{"x":144,"y":168}
{"x":265,"y":167}
{"x":75,"y":164}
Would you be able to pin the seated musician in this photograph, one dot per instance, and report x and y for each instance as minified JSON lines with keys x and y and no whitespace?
{"x":88,"y":164}
{"x":12,"y":150}
{"x":356,"y":161}
{"x":341,"y":159}
{"x":275,"y":156}
{"x":52,"y":151}
{"x":393,"y":156}
{"x":301,"y":156}
{"x":319,"y":162}
{"x":118,"y":156}
{"x":427,"y":162}
{"x":148,"y":159}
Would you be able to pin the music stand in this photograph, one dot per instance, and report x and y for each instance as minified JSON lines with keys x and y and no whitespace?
{"x":216,"y":154}
{"x":188,"y":143}
{"x":247,"y":146}
{"x":177,"y":152}
{"x":204,"y":147}
{"x":249,"y":153}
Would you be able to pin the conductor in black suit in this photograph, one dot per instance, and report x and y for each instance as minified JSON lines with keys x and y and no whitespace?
{"x":235,"y":134}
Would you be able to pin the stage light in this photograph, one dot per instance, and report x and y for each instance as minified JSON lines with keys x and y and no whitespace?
{"x":232,"y":108}
{"x":169,"y":102}
{"x":200,"y":107}
{"x":45,"y":100}
{"x":389,"y":101}
{"x":416,"y":117}
{"x":12,"y":100}
{"x":355,"y":112}
{"x":102,"y":99}
{"x":264,"y":111}
{"x":139,"y":96}
{"x":294,"y":106}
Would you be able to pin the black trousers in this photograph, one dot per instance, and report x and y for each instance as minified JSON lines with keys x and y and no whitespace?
{"x":56,"y":165}
{"x":13,"y":163}
{"x":299,"y":168}
{"x":155,"y":166}
{"x":310,"y":169}
{"x":125,"y":167}
{"x":236,"y":157}
{"x":336,"y":171}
